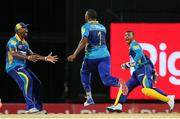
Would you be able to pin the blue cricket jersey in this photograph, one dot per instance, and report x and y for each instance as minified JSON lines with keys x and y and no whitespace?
{"x":96,"y":35}
{"x":136,"y":55}
{"x":21,"y":47}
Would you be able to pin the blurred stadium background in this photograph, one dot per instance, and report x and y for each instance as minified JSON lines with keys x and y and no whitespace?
{"x":55,"y":26}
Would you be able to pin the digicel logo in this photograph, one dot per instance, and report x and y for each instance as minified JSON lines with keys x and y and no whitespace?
{"x":160,"y":41}
{"x":164,"y":61}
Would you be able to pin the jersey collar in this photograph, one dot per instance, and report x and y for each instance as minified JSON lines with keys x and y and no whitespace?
{"x":93,"y":21}
{"x":17,"y":37}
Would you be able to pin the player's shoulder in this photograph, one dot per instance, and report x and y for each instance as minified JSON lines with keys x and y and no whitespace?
{"x":85,"y":26}
{"x":101,"y":25}
{"x":12,"y":40}
{"x":135,"y":46}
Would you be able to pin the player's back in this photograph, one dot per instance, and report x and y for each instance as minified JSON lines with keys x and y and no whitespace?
{"x":96,"y":35}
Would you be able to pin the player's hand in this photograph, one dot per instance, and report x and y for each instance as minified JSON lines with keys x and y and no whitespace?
{"x":123,"y":87}
{"x":154,"y":76}
{"x":71,"y":58}
{"x":33,"y":58}
{"x":125,"y":66}
{"x":51,"y":58}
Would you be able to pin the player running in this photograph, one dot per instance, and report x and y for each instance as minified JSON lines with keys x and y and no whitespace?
{"x":144,"y":70}
{"x":17,"y":52}
{"x":96,"y":56}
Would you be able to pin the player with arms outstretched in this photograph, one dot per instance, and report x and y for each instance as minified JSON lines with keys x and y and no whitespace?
{"x":144,"y":74}
{"x":96,"y":56}
{"x":17,"y":52}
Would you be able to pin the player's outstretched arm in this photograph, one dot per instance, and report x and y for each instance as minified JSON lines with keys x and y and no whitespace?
{"x":80,"y":47}
{"x":19,"y":55}
{"x":50,"y":58}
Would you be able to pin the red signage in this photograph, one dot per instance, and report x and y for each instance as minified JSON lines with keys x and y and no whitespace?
{"x":161,"y":42}
{"x":66,"y":108}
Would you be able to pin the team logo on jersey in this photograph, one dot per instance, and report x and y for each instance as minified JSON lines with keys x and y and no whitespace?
{"x":136,"y":47}
{"x":20,"y":46}
{"x":13,"y":42}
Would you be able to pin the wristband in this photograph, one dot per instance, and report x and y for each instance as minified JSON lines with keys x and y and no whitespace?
{"x":45,"y":58}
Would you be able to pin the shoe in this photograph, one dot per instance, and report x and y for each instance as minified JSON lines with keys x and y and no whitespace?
{"x":115,"y":108}
{"x":171,"y":101}
{"x":88,"y":102}
{"x":32,"y":111}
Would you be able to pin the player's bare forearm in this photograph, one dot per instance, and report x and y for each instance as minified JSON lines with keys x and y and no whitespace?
{"x":81,"y":46}
{"x":50,"y":58}
{"x":40,"y":57}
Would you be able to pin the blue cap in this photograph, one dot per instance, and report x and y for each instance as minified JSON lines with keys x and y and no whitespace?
{"x":20,"y":25}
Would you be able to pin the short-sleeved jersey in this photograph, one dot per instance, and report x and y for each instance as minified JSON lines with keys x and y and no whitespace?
{"x":96,"y":35}
{"x":136,"y":55}
{"x":21,"y":47}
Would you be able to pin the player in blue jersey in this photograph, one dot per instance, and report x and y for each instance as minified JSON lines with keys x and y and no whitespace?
{"x":17,"y":52}
{"x":144,"y":75}
{"x":96,"y":55}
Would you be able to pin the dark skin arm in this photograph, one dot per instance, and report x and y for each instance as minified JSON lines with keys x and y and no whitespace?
{"x":33,"y":57}
{"x":39,"y":57}
{"x":50,"y":58}
{"x":80,"y":47}
{"x":16,"y":54}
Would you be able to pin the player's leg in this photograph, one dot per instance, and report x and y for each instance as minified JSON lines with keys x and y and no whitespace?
{"x":147,"y":85}
{"x":25,"y":82}
{"x":121,"y":99}
{"x":107,"y":79}
{"x":151,"y":91}
{"x":37,"y":90}
{"x":104,"y":72}
{"x":86,"y":83}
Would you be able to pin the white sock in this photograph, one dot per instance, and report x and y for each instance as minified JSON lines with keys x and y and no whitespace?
{"x":89,"y":95}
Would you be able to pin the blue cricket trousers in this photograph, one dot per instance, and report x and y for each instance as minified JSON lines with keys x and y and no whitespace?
{"x":103,"y":66}
{"x":141,"y":76}
{"x":30,"y":86}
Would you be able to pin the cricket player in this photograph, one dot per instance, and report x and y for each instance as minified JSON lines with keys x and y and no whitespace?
{"x":93,"y":36}
{"x":17,"y":53}
{"x":144,"y":70}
